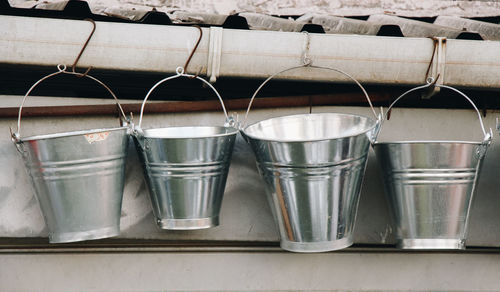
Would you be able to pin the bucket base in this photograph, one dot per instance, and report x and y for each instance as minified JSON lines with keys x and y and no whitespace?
{"x":432,"y":243}
{"x":316,"y":246}
{"x":84,"y":235}
{"x":188,"y":224}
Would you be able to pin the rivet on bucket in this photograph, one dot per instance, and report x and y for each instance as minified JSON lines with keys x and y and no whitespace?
{"x":185,"y":168}
{"x":430,"y":186}
{"x":313,"y":166}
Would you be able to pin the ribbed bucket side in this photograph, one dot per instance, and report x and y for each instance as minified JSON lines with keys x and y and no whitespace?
{"x":430,"y":187}
{"x":186,"y":178}
{"x":314,"y":188}
{"x":79,"y":183}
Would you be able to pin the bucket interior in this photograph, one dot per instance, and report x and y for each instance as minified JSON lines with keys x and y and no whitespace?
{"x":189,"y":132}
{"x":310,"y":127}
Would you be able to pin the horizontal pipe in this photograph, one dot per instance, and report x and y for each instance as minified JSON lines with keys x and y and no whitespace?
{"x":241,"y":53}
{"x":192,"y":106}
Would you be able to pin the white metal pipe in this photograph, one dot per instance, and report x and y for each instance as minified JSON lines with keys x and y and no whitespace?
{"x":243,"y":53}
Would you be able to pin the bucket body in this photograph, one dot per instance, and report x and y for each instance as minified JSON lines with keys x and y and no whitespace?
{"x":78,"y":178}
{"x":313,"y":166}
{"x":186,"y":170}
{"x":430,"y":187}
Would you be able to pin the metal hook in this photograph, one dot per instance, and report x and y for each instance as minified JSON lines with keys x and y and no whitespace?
{"x":73,"y":67}
{"x":435,"y":67}
{"x":431,"y":81}
{"x":436,"y":41}
{"x":194,"y":49}
{"x":306,"y":60}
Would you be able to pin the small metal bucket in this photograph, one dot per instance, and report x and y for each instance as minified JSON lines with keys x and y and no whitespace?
{"x":78,"y":177}
{"x":313,"y":166}
{"x":186,"y":169}
{"x":430,"y":186}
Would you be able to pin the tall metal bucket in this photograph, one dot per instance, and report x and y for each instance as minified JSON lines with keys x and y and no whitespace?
{"x":313,"y":167}
{"x":78,"y":176}
{"x":430,"y":186}
{"x":186,"y":168}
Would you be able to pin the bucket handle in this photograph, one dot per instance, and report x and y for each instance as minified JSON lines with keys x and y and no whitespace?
{"x":430,"y":82}
{"x":180,"y":73}
{"x":308,"y":65}
{"x":16,"y":136}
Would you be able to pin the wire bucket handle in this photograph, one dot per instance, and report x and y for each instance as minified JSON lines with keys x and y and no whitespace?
{"x":430,"y":82}
{"x":378,"y":117}
{"x":16,"y":136}
{"x":180,"y":73}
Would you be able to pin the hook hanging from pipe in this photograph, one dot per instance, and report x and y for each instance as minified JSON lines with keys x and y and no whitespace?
{"x":436,"y":67}
{"x":73,"y":67}
{"x":194,"y":50}
{"x":431,"y":81}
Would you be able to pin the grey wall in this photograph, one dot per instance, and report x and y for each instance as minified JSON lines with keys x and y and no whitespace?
{"x":245,"y":214}
{"x":141,"y":265}
{"x":250,"y":271}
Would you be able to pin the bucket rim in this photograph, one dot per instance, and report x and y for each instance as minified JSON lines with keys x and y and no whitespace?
{"x":70,"y":134}
{"x":310,"y":140}
{"x":233,"y":131}
{"x":428,"y":142}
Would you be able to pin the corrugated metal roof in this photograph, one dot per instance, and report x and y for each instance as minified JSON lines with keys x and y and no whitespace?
{"x":409,"y":8}
{"x":376,"y":24}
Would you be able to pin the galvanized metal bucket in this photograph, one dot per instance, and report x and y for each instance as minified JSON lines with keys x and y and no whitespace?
{"x":186,"y":168}
{"x":313,"y":166}
{"x":430,"y":186}
{"x":78,"y":176}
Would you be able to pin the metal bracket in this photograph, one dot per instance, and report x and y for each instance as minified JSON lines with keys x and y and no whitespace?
{"x":214,"y":53}
{"x":232,"y":121}
{"x":436,"y":66}
{"x":374,"y":133}
{"x":16,"y":139}
{"x":481,"y":149}
{"x":138,"y":133}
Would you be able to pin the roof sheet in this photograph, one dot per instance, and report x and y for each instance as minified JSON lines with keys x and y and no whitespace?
{"x":410,"y":8}
{"x":187,"y":13}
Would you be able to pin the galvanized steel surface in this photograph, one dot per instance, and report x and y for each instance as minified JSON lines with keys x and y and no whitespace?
{"x":245,"y":214}
{"x":431,"y":184}
{"x":186,"y":167}
{"x":78,"y":180}
{"x":186,"y":170}
{"x":313,"y":166}
{"x":430,"y":187}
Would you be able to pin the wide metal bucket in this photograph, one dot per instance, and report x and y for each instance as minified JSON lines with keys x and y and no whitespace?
{"x":430,"y":187}
{"x":78,"y":178}
{"x":313,"y":167}
{"x":186,"y":170}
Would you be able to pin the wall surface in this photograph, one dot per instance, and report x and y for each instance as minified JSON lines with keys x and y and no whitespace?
{"x":245,"y":215}
{"x":246,"y":256}
{"x":250,"y":271}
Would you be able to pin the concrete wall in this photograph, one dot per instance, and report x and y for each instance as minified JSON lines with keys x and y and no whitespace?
{"x":250,"y":271}
{"x":144,"y":258}
{"x":245,"y":215}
